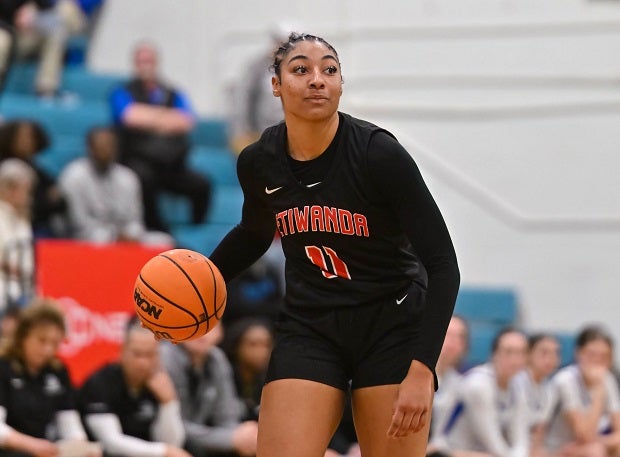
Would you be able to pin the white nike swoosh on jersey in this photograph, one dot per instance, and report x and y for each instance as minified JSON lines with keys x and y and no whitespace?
{"x":398,"y":302}
{"x":271,"y":191}
{"x":314,"y":184}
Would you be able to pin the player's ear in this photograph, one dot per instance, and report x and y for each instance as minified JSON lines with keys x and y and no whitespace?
{"x":275,"y":85}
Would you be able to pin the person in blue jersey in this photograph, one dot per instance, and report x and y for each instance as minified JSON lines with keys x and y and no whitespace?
{"x":154,"y":122}
{"x":371,"y":271}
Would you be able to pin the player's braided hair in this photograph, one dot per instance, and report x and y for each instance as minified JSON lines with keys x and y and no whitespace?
{"x":288,"y":45}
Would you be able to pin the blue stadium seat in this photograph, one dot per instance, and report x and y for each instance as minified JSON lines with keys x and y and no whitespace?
{"x":210,"y":132}
{"x":174,"y":209}
{"x":201,"y":238}
{"x":226,"y":203}
{"x":481,"y":335}
{"x":567,"y":347}
{"x":219,"y":164}
{"x":20,"y":79}
{"x":88,"y":85}
{"x":63,"y":150}
{"x":70,"y":117}
{"x":498,"y":306}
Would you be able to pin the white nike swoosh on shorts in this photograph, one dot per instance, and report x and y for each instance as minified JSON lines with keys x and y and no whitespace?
{"x":398,"y":302}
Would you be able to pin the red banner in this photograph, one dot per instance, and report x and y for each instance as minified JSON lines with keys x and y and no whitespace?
{"x":94,"y":285}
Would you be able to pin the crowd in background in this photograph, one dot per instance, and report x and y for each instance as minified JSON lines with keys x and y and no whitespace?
{"x":202,"y":398}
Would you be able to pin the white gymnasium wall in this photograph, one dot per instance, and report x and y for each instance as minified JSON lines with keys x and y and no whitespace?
{"x":510,"y":107}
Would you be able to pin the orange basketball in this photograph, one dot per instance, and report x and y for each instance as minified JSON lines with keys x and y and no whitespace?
{"x":179,"y":295}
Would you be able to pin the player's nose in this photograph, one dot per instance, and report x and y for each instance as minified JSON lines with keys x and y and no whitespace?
{"x":316,"y":80}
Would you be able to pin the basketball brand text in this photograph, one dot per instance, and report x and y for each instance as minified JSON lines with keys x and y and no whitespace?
{"x":145,"y":306}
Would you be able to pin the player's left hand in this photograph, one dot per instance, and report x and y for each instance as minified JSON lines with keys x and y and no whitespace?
{"x":412,"y":407}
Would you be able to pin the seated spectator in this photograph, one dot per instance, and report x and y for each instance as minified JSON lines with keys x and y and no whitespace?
{"x":491,"y":413}
{"x":104,"y":197}
{"x":15,"y":15}
{"x":24,"y":139}
{"x":16,"y":245}
{"x":587,"y":419}
{"x":7,"y":42}
{"x":247,"y":345}
{"x":256,"y":292}
{"x":211,"y":409}
{"x":253,"y":107}
{"x":41,"y":31}
{"x":452,"y":352}
{"x":131,"y":407}
{"x":37,"y":399}
{"x":542,"y":361}
{"x":8,"y":324}
{"x":154,"y":121}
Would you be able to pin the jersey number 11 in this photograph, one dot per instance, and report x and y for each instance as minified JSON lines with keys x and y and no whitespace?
{"x":338,"y":267}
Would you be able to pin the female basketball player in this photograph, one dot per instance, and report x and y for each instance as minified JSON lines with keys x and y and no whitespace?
{"x":371,"y":272}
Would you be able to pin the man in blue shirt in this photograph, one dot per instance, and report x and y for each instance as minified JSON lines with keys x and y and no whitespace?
{"x":154,"y":121}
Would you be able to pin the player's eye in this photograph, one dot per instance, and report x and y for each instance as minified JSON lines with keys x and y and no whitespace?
{"x":300,"y":69}
{"x":331,"y":70}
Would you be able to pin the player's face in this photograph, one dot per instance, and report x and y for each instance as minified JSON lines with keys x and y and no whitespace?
{"x":455,"y":343}
{"x":310,"y":82}
{"x":255,"y":348}
{"x":139,"y":357}
{"x":510,"y":356}
{"x":544,"y":357}
{"x":41,"y":345}
{"x":595,"y":353}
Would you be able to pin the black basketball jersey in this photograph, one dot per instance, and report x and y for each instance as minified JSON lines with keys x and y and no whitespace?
{"x":32,"y":402}
{"x":106,"y":392}
{"x":343,"y":244}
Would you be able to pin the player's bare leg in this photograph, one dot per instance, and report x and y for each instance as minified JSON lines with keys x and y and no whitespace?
{"x":372,"y":414}
{"x":297,"y":418}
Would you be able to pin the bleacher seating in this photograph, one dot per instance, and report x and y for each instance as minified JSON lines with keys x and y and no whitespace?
{"x":487,"y":310}
{"x":83,"y":104}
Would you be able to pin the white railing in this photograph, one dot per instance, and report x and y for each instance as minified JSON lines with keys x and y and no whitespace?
{"x":451,"y":176}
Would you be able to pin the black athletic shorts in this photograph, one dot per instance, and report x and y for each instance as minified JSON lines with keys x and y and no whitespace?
{"x":370,"y":344}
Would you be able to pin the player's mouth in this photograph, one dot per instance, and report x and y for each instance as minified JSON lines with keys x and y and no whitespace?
{"x":317,"y":98}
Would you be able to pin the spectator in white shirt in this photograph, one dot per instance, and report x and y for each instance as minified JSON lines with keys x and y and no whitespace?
{"x":17,"y":181}
{"x":104,"y":197}
{"x":452,"y":352}
{"x":542,"y":361}
{"x":491,"y":414}
{"x":587,"y":421}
